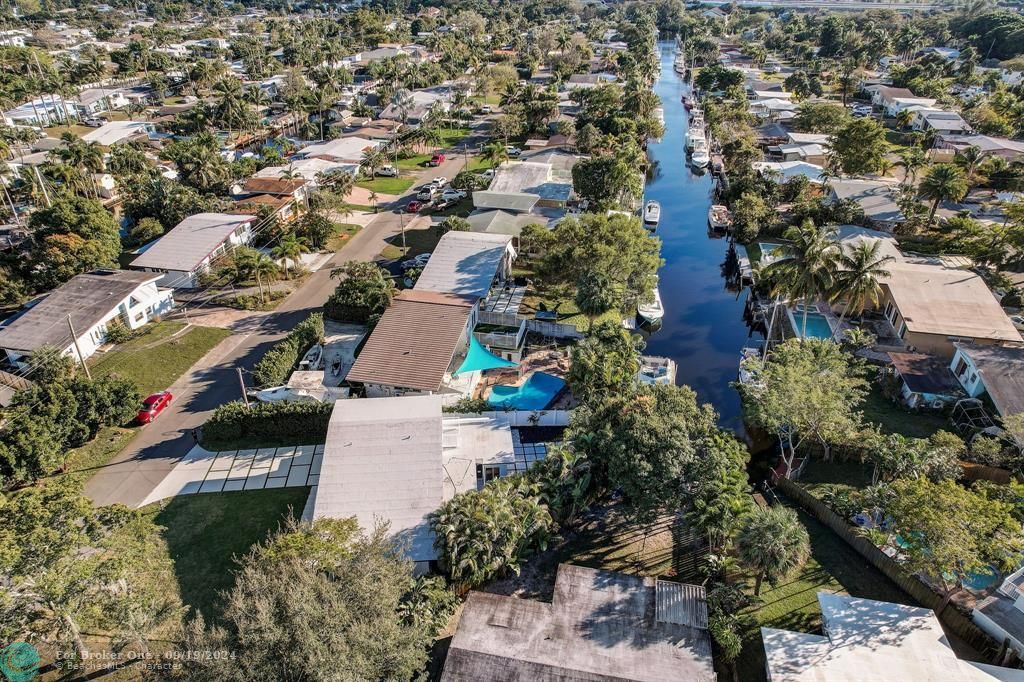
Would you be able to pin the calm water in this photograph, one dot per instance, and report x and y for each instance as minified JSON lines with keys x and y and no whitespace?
{"x":703,"y":328}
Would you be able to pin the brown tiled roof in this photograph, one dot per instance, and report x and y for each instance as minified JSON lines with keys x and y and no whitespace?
{"x":414,"y":342}
{"x":273,"y":185}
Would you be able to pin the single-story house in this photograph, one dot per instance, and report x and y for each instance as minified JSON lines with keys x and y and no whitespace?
{"x":516,"y":180}
{"x":992,"y":371}
{"x":467,"y":264}
{"x":188,"y":249}
{"x":811,"y":153}
{"x":774,"y":109}
{"x":864,"y":639}
{"x":599,"y":626}
{"x":94,"y":101}
{"x":876,"y":199}
{"x":290,"y":189}
{"x":924,"y":381}
{"x":783,"y":171}
{"x":1011,"y":150}
{"x":113,"y":132}
{"x":942,"y":122}
{"x":503,"y":222}
{"x":932,"y":307}
{"x":885,"y":95}
{"x":311,"y":170}
{"x":87,"y":303}
{"x":808,"y":138}
{"x":345,"y":149}
{"x":399,"y":459}
{"x":898,"y":104}
{"x":39,"y":112}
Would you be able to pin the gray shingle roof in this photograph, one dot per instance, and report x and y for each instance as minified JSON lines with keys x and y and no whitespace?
{"x":1002,"y":372}
{"x":88,"y":298}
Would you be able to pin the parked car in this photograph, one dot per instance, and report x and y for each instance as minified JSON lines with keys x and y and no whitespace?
{"x":451,"y":194}
{"x":439,"y":182}
{"x":489,"y":174}
{"x":426,"y":193}
{"x":416,"y":261}
{"x":862,"y":110}
{"x":442,"y":204}
{"x":436,"y":160}
{"x":513,"y":151}
{"x":153,"y":405}
{"x":93,"y":122}
{"x":486,"y":109}
{"x":387,"y":172}
{"x":1018,"y":321}
{"x":415,"y":206}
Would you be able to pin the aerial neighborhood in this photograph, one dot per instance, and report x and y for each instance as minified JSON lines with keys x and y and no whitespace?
{"x":555,"y":340}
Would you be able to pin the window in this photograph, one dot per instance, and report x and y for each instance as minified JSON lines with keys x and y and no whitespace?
{"x":487,"y":472}
{"x":961,"y":367}
{"x":903,"y":330}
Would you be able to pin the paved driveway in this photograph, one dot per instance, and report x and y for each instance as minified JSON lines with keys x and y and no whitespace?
{"x":137,"y":470}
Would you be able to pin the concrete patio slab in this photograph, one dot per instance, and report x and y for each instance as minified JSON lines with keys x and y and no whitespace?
{"x":256,"y":482}
{"x":298,"y":476}
{"x":233,"y":484}
{"x":277,"y":482}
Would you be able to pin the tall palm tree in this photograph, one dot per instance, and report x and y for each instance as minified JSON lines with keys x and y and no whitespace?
{"x":496,"y":154}
{"x":806,"y":274}
{"x":970,"y":161}
{"x":943,"y":182}
{"x":861,"y":269}
{"x":262,"y":266}
{"x":912,"y":159}
{"x":773,"y":543}
{"x":371,"y":159}
{"x":290,"y":248}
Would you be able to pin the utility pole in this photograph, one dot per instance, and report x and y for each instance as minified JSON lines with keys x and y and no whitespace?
{"x":401,"y":221}
{"x":241,"y":381}
{"x":74,"y":340}
{"x":42,"y":185}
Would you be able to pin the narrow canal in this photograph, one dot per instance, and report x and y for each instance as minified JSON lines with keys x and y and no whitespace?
{"x":703,"y":327}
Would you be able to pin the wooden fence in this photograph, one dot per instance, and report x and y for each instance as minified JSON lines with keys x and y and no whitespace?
{"x":951,"y":616}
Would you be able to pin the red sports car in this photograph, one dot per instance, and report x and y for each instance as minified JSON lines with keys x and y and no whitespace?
{"x":415,"y":206}
{"x":153,"y":405}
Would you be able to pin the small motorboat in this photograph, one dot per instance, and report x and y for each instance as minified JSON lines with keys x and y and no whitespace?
{"x":652,"y":312}
{"x":652,"y":215}
{"x":656,"y":370}
{"x":687,"y":103}
{"x":700,"y":158}
{"x":311,"y":360}
{"x":719,"y":218}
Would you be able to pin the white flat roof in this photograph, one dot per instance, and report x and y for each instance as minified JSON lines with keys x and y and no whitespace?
{"x":189,"y":242}
{"x":464,"y":264}
{"x":343,"y":148}
{"x":114,"y":131}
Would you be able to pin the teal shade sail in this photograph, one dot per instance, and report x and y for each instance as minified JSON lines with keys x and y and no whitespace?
{"x":479,"y":358}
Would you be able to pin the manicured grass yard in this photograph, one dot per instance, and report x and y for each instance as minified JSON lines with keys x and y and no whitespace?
{"x":818,"y":475}
{"x":204,"y":533}
{"x":793,"y":605}
{"x":478,"y":163}
{"x":154,"y":369}
{"x":343,"y":236}
{"x":416,"y":241}
{"x":413,"y":162}
{"x":894,"y":419}
{"x":450,"y":137}
{"x":387,"y":185}
{"x":87,"y":459}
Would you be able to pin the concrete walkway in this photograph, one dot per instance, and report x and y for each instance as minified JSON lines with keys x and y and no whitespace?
{"x":203,"y":471}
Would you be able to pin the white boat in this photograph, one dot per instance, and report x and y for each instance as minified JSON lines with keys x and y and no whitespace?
{"x":719,"y":218}
{"x":700,"y":156}
{"x":654,"y":311}
{"x":656,"y":370}
{"x":750,"y":365}
{"x":652,"y":215}
{"x":311,"y":360}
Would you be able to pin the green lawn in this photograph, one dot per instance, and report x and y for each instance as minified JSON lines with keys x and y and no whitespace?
{"x":478,"y":163}
{"x":204,"y":533}
{"x":413,"y":162}
{"x":894,"y":419}
{"x":87,"y":459}
{"x":343,"y":236}
{"x":416,"y":242}
{"x":451,"y":137}
{"x":793,"y":605}
{"x":819,"y":475}
{"x":154,"y":369}
{"x":387,"y":185}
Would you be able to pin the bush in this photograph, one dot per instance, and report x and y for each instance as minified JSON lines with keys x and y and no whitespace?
{"x":470,"y":181}
{"x":118,"y":333}
{"x":251,"y":302}
{"x":303,"y":422}
{"x":284,"y":356}
{"x":362,"y":295}
{"x":468,"y":405}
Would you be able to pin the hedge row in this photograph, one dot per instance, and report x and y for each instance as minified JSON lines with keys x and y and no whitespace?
{"x":278,"y":422}
{"x":283,"y":357}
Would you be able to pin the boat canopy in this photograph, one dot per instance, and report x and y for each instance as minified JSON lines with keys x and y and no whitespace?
{"x":479,"y":358}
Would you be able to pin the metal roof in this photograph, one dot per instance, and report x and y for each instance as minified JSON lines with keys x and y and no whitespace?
{"x":508,"y":201}
{"x":464,"y":264}
{"x":189,"y":242}
{"x":88,"y":298}
{"x":681,"y":604}
{"x":414,"y":342}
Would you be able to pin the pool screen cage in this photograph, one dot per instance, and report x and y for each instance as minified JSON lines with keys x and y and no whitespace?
{"x":969,"y":416}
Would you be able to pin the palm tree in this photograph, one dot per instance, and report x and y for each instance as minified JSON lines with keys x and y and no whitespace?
{"x":943,"y":182}
{"x":260,"y":267}
{"x":970,"y":161}
{"x":371,"y":159}
{"x":495,"y":153}
{"x":290,"y":248}
{"x":373,"y":200}
{"x":861,"y":269}
{"x":904,"y":118}
{"x":773,"y":543}
{"x":806,"y":274}
{"x":912,"y":159}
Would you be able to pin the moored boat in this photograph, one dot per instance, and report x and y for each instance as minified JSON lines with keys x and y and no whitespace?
{"x":700,"y":158}
{"x":657,"y":370}
{"x":652,"y":312}
{"x":652,"y":215}
{"x":719,"y":218}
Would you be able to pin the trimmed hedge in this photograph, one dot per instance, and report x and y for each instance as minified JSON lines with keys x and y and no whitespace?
{"x":283,"y":357}
{"x":303,"y":422}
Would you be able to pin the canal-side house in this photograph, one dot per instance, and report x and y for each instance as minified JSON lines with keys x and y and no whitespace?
{"x":995,"y":373}
{"x":520,"y":186}
{"x":188,"y":249}
{"x":281,"y":195}
{"x":422,"y":341}
{"x":876,"y":199}
{"x":89,"y":304}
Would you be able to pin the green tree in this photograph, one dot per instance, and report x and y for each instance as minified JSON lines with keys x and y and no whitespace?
{"x":315,"y":602}
{"x":808,"y":388}
{"x":455,"y":223}
{"x":607,"y":181}
{"x":315,"y":228}
{"x":806,"y":273}
{"x":985,"y":533}
{"x":820,"y":117}
{"x":719,"y":492}
{"x":144,"y":231}
{"x":773,"y":543}
{"x":898,"y":457}
{"x":943,"y":182}
{"x":75,"y":235}
{"x":859,"y":147}
{"x":858,"y":280}
{"x":290,"y":248}
{"x":750,"y":215}
{"x":482,"y":534}
{"x":363,"y":293}
{"x":605,"y":362}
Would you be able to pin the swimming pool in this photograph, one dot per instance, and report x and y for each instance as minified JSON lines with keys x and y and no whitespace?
{"x":817,"y":324}
{"x":536,"y":393}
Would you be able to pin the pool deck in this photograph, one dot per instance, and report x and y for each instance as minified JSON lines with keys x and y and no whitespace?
{"x":551,"y":362}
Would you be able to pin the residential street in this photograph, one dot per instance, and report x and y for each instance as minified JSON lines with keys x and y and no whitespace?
{"x":213,"y":381}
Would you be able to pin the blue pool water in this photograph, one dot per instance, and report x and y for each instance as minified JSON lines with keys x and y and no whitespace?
{"x":983,"y":580}
{"x":536,"y":393}
{"x":817,"y":325}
